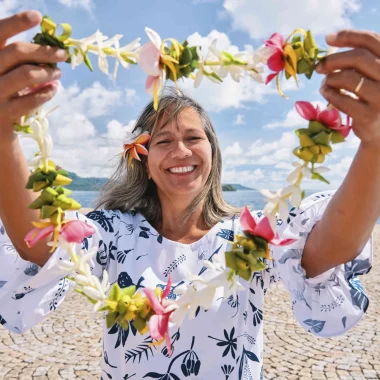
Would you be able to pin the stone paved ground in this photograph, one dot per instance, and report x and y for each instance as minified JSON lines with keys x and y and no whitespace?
{"x":49,"y":351}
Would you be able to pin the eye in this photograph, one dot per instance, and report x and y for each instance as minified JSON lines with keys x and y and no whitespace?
{"x":194,"y":138}
{"x":163,"y":142}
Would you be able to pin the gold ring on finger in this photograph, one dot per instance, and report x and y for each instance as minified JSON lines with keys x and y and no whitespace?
{"x":359,"y":86}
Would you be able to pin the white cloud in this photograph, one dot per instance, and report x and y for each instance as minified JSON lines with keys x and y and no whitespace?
{"x":87,"y":5}
{"x":285,"y":165}
{"x":233,"y":156}
{"x":8,"y":7}
{"x":116,"y":131}
{"x":258,"y":174}
{"x":72,"y":128}
{"x":292,"y":119}
{"x":245,"y":177}
{"x":261,"y":19}
{"x":258,"y":148}
{"x":233,"y":150}
{"x":78,"y":145}
{"x":223,"y":43}
{"x":240,"y":119}
{"x":340,"y":168}
{"x":266,"y":153}
{"x":131,"y":96}
{"x":93,"y":101}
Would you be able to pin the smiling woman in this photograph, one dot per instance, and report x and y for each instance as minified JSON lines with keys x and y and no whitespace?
{"x":182,"y":171}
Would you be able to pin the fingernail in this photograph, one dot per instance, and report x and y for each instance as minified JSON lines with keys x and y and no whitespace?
{"x":323,"y":83}
{"x":323,"y":89}
{"x":57,"y":74}
{"x":33,"y":16}
{"x":331,"y":37}
{"x":55,"y":85}
{"x":61,"y":54}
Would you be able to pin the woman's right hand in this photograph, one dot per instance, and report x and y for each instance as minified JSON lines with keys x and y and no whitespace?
{"x":17,"y":72}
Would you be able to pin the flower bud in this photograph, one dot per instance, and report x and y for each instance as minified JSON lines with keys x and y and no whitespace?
{"x":61,"y":180}
{"x":47,"y":211}
{"x":39,"y":185}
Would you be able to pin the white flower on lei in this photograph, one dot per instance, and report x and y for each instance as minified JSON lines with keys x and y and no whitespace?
{"x":256,"y":62}
{"x":80,"y":272}
{"x":82,"y":46}
{"x":236,"y":71}
{"x":118,"y":51}
{"x":39,"y":124}
{"x":305,"y":171}
{"x":202,"y":289}
{"x":203,"y":70}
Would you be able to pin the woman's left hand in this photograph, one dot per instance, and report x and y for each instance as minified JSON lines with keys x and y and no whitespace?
{"x":363,"y":61}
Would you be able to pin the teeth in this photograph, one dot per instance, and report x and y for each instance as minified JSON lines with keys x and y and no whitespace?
{"x":183,"y":169}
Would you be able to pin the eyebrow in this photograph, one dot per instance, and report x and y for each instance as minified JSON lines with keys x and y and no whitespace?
{"x":163,"y":133}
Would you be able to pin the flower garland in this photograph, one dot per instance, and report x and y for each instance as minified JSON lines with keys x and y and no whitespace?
{"x":296,"y":55}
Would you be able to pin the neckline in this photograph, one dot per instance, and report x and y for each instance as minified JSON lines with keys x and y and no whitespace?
{"x":173,"y":242}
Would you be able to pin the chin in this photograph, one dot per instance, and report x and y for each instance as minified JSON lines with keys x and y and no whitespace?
{"x":183,"y":189}
{"x":189,"y":190}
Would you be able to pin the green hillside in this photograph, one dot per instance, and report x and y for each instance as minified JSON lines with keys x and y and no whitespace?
{"x":85,"y":184}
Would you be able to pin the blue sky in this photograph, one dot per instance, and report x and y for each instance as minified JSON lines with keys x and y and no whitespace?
{"x":254,"y":124}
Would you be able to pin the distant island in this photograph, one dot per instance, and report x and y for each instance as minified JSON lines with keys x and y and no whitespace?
{"x":94,"y":184}
{"x":235,"y":187}
{"x":85,"y":184}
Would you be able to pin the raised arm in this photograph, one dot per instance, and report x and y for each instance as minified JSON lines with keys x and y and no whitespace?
{"x":18,"y":70}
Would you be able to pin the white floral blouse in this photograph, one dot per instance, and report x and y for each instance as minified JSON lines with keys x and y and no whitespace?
{"x":225,"y":342}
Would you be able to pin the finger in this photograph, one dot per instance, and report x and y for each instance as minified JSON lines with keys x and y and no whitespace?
{"x":349,"y":80}
{"x":356,"y":39}
{"x":23,"y":105}
{"x":361,"y":60}
{"x":344,"y":103}
{"x":25,"y":76}
{"x":18,"y":23}
{"x":20,"y":53}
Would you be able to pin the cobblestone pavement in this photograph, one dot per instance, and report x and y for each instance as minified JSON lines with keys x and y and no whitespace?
{"x":68,"y":344}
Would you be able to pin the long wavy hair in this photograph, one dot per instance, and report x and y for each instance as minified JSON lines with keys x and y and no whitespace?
{"x":131,"y":189}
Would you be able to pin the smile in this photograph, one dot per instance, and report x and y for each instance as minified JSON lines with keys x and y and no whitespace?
{"x":182,"y":169}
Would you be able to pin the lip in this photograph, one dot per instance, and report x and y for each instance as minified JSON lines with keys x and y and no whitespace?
{"x":181,"y":166}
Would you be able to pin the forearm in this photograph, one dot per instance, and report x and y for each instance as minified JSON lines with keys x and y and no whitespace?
{"x":14,"y":201}
{"x":349,"y":218}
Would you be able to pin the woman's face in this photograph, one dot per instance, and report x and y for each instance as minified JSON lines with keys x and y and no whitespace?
{"x":180,"y":155}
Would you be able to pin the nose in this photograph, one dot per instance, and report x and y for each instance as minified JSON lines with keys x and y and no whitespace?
{"x":180,"y":151}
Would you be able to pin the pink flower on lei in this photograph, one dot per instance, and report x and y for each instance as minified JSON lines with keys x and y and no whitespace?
{"x":329,"y":117}
{"x":262,"y":229}
{"x":163,"y":308}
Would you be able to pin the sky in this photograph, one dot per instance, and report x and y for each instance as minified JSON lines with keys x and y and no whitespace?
{"x":255,"y":126}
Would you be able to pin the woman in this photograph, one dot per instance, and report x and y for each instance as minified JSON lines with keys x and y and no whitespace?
{"x":166,"y":214}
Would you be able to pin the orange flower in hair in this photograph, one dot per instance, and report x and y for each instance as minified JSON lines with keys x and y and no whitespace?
{"x":133,"y":149}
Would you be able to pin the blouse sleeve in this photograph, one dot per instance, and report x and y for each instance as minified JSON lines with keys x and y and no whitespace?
{"x":333,"y":302}
{"x":28,"y":293}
